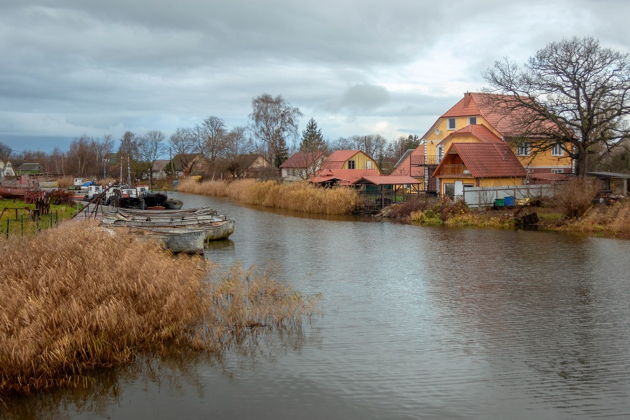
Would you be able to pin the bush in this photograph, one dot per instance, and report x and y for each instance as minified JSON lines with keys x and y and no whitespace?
{"x":576,"y":196}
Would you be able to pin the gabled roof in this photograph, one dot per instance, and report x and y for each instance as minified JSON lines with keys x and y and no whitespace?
{"x":337,"y":158}
{"x":302,"y":159}
{"x":347,"y":176}
{"x":386,"y":180}
{"x":30,"y":166}
{"x":159,"y":165}
{"x":479,"y":131}
{"x":403,"y":166}
{"x":487,"y":106}
{"x":246,"y":161}
{"x":486,"y":160}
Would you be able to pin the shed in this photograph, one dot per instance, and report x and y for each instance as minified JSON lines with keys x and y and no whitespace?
{"x":613,"y":182}
{"x":382,"y":190}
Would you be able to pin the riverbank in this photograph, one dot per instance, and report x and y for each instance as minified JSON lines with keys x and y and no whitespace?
{"x":79,"y":298}
{"x":300,"y":197}
{"x":600,"y":220}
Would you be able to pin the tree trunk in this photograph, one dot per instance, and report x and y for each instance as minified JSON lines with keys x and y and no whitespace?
{"x":581,"y":163}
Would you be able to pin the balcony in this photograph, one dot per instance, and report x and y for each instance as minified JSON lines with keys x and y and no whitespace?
{"x":457,"y":169}
{"x":429,"y":160}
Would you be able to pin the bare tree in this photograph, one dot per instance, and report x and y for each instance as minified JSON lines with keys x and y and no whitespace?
{"x":182,"y":144}
{"x":211,"y":140}
{"x":274,"y":121}
{"x":5,"y":152}
{"x":127,"y":153}
{"x":150,"y":147}
{"x":572,"y":94}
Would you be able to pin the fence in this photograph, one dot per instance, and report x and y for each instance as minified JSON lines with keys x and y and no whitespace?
{"x":485,"y":196}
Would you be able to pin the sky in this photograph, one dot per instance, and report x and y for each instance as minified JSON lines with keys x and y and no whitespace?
{"x":74,"y":67}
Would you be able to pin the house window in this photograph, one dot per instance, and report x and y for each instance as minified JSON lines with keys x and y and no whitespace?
{"x":472,"y":120}
{"x":556,"y":150}
{"x":440,"y":151}
{"x":451,"y":123}
{"x":522,"y":149}
{"x":449,"y":190}
{"x":351,"y":164}
{"x":557,"y":171}
{"x":368,"y":164}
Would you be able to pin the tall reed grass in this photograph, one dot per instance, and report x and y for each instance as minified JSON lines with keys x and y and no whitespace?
{"x":78,"y":298}
{"x":301,"y":197}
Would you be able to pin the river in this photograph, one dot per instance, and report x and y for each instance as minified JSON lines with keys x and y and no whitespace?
{"x":415,"y":322}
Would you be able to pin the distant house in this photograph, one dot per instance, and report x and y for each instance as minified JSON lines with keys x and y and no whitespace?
{"x":344,"y":167}
{"x":477,"y":165}
{"x":302,"y":165}
{"x":159,"y":169}
{"x":181,"y":164}
{"x":6,"y":169}
{"x":29,"y":168}
{"x":251,"y":165}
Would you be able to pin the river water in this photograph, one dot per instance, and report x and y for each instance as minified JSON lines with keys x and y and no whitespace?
{"x":415,"y":323}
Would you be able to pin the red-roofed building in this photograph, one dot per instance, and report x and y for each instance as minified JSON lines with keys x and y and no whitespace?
{"x":350,"y":159}
{"x":478,"y":117}
{"x":302,"y":165}
{"x":478,"y":165}
{"x":342,"y":176}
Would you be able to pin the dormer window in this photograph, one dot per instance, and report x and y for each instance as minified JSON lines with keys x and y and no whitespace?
{"x":472,"y":120}
{"x":451,"y":123}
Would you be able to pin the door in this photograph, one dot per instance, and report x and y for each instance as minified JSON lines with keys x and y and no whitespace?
{"x":459,"y":188}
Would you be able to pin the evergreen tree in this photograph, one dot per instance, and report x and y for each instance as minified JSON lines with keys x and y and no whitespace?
{"x":282,"y":153}
{"x":312,"y":139}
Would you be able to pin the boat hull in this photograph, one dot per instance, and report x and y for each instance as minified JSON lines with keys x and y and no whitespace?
{"x":188,"y":241}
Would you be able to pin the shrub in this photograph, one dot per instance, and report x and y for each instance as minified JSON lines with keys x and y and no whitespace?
{"x":576,"y":196}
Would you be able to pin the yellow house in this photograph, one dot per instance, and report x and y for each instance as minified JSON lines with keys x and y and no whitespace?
{"x":476,"y":109}
{"x":350,"y":159}
{"x":477,"y":165}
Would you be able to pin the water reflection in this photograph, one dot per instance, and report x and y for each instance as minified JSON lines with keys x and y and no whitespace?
{"x":417,"y":322}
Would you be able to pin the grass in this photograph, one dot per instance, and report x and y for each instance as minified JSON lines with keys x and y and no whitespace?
{"x":612,"y":220}
{"x":301,"y":197}
{"x":23,"y":225}
{"x":79,"y":298}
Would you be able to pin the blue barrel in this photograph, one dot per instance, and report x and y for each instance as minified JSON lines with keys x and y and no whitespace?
{"x":509,"y":201}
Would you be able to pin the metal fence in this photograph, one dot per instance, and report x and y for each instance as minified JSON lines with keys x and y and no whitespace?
{"x":485,"y":196}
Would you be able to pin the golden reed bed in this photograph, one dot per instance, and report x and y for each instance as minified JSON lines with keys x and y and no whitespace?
{"x":76,"y":298}
{"x":301,"y":197}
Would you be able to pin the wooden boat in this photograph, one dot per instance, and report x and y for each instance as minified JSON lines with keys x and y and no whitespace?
{"x":162,"y":213}
{"x":189,"y":241}
{"x":214,"y":229}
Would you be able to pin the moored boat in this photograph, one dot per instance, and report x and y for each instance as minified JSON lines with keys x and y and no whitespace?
{"x":189,"y":241}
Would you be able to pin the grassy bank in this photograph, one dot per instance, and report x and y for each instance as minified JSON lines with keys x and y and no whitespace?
{"x":77,"y":298}
{"x":602,"y":220}
{"x":18,"y":222}
{"x":301,"y":197}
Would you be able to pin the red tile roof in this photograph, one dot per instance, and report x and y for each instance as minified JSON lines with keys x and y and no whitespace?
{"x":486,"y":160}
{"x":337,"y":158}
{"x":476,"y":130}
{"x":302,"y":159}
{"x":387,"y":180}
{"x":485,"y":105}
{"x":403,"y":166}
{"x":347,"y":176}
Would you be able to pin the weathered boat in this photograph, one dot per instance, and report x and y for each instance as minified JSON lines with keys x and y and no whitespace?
{"x":189,"y":241}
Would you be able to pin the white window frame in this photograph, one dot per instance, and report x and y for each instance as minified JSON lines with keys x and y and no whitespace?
{"x":557,"y":171}
{"x":470,"y":120}
{"x":368,"y":164}
{"x":448,"y":123}
{"x":556,"y":150}
{"x":522,"y":149}
{"x":440,"y":151}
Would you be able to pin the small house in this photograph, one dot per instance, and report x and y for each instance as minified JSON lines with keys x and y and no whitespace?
{"x":477,"y":165}
{"x":30,"y":168}
{"x":301,"y":165}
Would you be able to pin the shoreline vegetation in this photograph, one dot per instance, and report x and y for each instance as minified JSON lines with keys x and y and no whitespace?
{"x":79,"y":298}
{"x":299,"y":196}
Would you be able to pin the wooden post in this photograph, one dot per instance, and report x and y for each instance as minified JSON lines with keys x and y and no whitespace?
{"x":22,"y":225}
{"x":7,"y":228}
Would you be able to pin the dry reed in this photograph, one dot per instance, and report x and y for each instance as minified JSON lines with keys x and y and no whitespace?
{"x":301,"y":197}
{"x":65,"y":181}
{"x":78,"y":298}
{"x":609,"y":220}
{"x":576,"y":196}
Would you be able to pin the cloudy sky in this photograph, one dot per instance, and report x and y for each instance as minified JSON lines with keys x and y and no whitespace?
{"x":73,"y":67}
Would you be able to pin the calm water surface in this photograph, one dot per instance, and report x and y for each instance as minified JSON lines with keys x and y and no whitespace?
{"x":416,"y":323}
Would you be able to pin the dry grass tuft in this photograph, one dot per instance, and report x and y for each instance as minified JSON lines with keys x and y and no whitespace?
{"x":65,"y":181}
{"x":301,"y":197}
{"x":576,"y":196}
{"x":613,"y":220}
{"x":78,"y":298}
